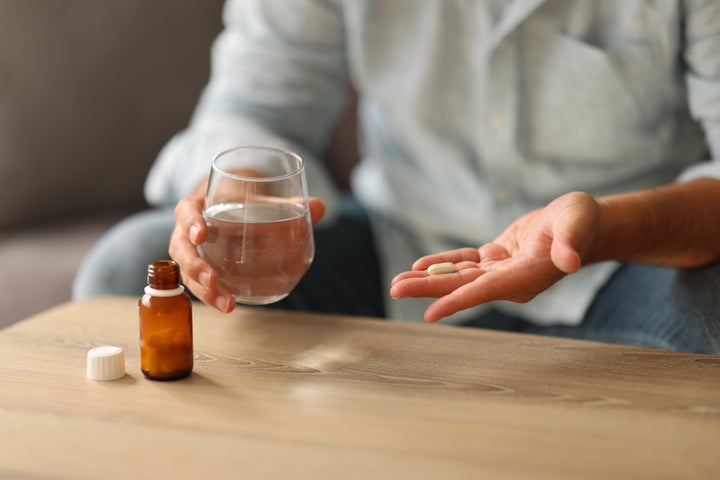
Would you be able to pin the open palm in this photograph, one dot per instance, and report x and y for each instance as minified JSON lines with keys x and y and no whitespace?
{"x":532,"y":254}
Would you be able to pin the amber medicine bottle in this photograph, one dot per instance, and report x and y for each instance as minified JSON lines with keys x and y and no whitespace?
{"x":166,"y":340}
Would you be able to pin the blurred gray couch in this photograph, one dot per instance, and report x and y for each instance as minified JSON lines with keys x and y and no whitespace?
{"x":89,"y":92}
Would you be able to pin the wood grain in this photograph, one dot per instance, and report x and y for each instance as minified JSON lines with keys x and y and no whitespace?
{"x":287,"y":395}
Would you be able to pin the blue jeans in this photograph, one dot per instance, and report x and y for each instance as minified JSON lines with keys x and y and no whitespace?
{"x":640,"y":305}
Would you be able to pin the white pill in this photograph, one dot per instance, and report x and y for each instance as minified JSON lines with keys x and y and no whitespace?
{"x":438,"y":268}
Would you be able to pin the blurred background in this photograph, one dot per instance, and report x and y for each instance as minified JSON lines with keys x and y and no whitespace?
{"x":89,"y":93}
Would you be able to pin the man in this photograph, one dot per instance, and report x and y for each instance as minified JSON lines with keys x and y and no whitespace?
{"x":571,"y":141}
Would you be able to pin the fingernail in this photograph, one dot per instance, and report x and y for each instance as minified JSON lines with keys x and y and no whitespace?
{"x":222,"y":304}
{"x":204,"y":279}
{"x":194,"y":232}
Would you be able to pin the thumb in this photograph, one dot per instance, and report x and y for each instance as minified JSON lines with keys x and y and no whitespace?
{"x":317,"y":209}
{"x":571,"y":229}
{"x":564,"y":256}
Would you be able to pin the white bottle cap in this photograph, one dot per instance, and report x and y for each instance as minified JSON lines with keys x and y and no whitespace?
{"x":105,"y":363}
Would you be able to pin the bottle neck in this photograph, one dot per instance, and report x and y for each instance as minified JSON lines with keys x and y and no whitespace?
{"x":163,"y":279}
{"x":161,"y":292}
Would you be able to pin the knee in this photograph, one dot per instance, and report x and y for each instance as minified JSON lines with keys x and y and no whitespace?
{"x":116,"y":264}
{"x":698,"y":304}
{"x":686,"y":311}
{"x":661,"y":307}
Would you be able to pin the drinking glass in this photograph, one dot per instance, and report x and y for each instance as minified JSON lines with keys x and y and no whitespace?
{"x":260,"y":239}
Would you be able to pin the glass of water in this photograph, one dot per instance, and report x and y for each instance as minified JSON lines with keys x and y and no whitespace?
{"x":260,"y":239}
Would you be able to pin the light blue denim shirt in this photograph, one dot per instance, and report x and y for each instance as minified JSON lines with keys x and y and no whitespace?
{"x":472,"y":112}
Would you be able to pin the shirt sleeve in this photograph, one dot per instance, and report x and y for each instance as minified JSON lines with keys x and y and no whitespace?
{"x":278,"y":77}
{"x":702,"y":76}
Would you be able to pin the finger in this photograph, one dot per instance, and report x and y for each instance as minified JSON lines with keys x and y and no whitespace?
{"x":193,"y":267}
{"x":197,"y":275}
{"x":422,"y":285}
{"x":317,"y":209}
{"x":513,"y":284}
{"x":453,"y":256}
{"x":566,"y":233}
{"x":216,"y":298}
{"x":492,"y":252}
{"x":564,"y":256}
{"x":423,"y":273}
{"x":572,"y":231}
{"x":188,"y":214}
{"x":409,"y":274}
{"x":462,"y":298}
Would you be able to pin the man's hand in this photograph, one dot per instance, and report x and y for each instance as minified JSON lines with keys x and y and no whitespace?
{"x":532,"y":254}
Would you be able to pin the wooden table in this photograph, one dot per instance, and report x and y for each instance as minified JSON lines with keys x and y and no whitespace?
{"x":287,"y":395}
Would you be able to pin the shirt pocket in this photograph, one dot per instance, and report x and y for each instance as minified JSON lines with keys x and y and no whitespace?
{"x":588,"y":104}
